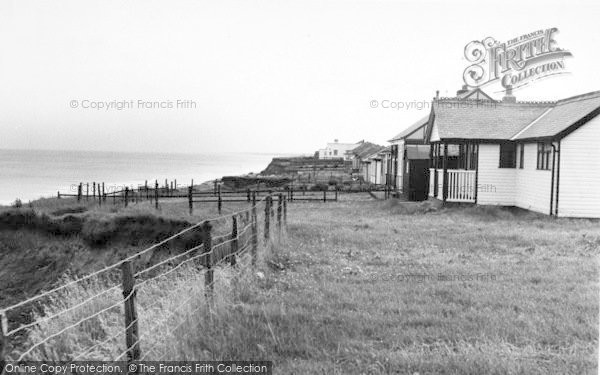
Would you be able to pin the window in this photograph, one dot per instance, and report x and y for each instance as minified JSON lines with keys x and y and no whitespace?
{"x":508,"y":155}
{"x":335,"y":152}
{"x":543,"y":156}
{"x":521,"y":155}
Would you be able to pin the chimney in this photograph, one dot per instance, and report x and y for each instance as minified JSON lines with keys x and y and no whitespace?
{"x":464,"y":90}
{"x":509,"y":97}
{"x":437,"y":94}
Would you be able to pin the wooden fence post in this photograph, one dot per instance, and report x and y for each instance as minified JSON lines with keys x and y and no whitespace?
{"x":171,"y":190}
{"x":131,"y":320}
{"x":146,"y":188}
{"x":336,"y":194}
{"x":126,"y":195}
{"x":267,"y":217}
{"x":175,"y":183}
{"x":248,"y":194}
{"x":234,"y":242}
{"x":219,"y":201}
{"x":279,"y":212}
{"x":87,"y":191}
{"x":156,"y":194}
{"x":103,"y":193}
{"x":94,"y":190}
{"x":190,"y":200}
{"x":59,"y":194}
{"x":285,"y":213}
{"x":254,"y":198}
{"x":208,"y":276}
{"x":292,"y":194}
{"x":254,"y":227}
{"x":3,"y":340}
{"x":324,"y":195}
{"x":79,"y":192}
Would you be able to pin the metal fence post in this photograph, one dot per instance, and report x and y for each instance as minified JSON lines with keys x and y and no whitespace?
{"x":131,"y":320}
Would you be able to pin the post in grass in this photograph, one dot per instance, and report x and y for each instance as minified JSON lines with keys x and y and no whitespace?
{"x":209,"y":275}
{"x":190,"y":200}
{"x":156,"y":194}
{"x":3,"y":341}
{"x":234,"y":241}
{"x":254,"y":227}
{"x":285,"y":214}
{"x":219,"y":200}
{"x":279,"y":213}
{"x":131,"y":320}
{"x":267,"y":218}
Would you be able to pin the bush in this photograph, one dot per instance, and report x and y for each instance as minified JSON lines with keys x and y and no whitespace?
{"x":319,"y":187}
{"x":17,"y":203}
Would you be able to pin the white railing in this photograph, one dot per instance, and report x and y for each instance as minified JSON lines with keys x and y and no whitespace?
{"x":461,"y":186}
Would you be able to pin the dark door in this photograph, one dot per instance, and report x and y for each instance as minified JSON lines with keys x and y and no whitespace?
{"x":418,"y":178}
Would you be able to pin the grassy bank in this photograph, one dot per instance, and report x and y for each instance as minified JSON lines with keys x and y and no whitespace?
{"x":365,"y":286}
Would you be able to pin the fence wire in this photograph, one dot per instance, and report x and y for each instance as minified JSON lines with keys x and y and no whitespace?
{"x":248,"y":234}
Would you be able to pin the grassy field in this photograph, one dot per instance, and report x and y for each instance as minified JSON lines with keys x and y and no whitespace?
{"x":365,"y":286}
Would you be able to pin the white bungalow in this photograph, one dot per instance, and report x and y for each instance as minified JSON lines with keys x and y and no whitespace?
{"x":538,"y":156}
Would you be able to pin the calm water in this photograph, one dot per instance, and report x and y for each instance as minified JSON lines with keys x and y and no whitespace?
{"x":29,"y":175}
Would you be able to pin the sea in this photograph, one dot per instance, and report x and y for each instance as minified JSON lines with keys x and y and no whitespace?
{"x":31,"y":174}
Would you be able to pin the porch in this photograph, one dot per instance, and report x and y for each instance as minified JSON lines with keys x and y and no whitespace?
{"x":453,"y":172}
{"x":461,"y":186}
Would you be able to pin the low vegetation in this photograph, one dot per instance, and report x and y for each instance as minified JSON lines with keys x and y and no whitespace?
{"x":365,"y":286}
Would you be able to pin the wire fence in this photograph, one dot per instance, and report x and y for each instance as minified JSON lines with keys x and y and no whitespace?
{"x":96,"y":316}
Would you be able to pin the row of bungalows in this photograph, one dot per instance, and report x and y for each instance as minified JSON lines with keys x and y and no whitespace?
{"x":533,"y":155}
{"x":367,"y":162}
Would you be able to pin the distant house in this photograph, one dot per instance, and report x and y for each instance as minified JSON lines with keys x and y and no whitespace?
{"x":534,"y":155}
{"x":335,"y":150}
{"x":409,"y":156}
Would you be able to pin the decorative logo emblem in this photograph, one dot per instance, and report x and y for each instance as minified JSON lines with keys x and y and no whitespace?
{"x":515,"y":63}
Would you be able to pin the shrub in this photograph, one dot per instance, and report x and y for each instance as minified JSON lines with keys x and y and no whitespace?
{"x":319,"y":187}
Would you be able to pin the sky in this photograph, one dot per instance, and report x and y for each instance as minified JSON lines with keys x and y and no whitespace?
{"x":255,"y":76}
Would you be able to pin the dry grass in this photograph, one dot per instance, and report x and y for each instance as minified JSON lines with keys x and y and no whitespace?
{"x":366,"y":286}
